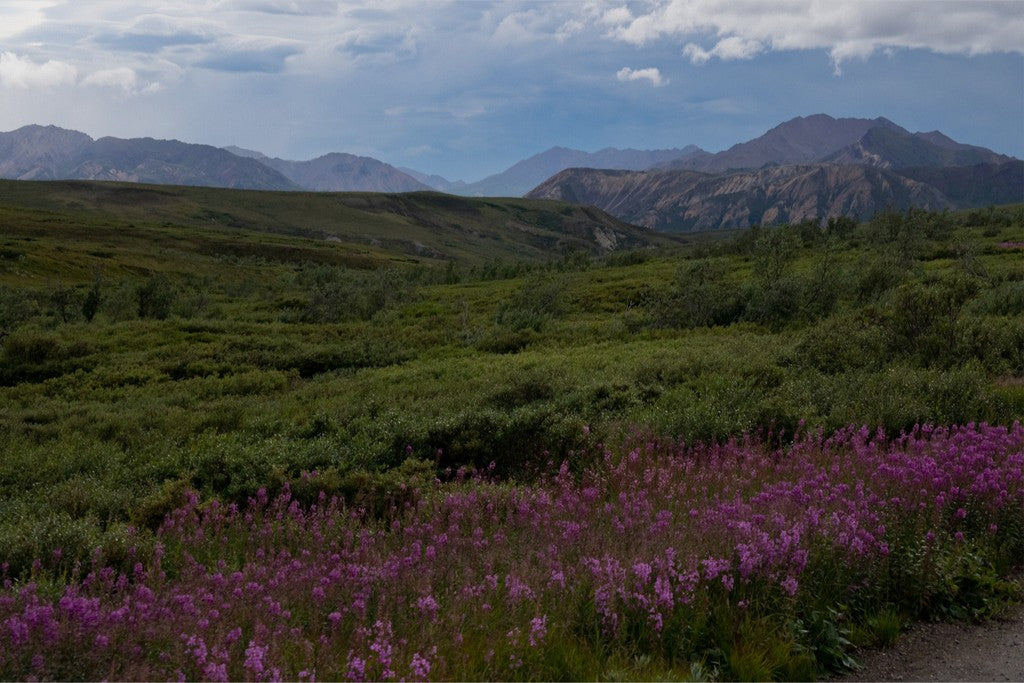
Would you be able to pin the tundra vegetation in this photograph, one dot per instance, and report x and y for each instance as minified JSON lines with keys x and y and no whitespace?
{"x":233,"y":453}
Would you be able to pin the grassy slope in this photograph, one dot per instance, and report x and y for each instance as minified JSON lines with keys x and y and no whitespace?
{"x":123,"y":223}
{"x":103,"y":422}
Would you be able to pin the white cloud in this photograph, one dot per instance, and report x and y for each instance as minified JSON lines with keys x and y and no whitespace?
{"x":519,"y":27}
{"x":649,"y":74}
{"x":617,"y":16}
{"x":122,"y":78}
{"x":732,"y":47}
{"x":848,"y":30}
{"x":18,"y":15}
{"x":23,"y":73}
{"x":569,"y":29}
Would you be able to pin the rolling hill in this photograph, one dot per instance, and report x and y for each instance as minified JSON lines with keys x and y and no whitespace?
{"x":367,"y":230}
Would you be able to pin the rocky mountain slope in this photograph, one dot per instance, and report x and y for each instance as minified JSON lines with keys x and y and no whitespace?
{"x":804,"y":169}
{"x":679,"y":201}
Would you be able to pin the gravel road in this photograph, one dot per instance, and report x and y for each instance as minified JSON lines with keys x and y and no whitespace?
{"x":992,"y":651}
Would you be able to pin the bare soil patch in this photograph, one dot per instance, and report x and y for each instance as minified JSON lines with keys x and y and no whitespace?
{"x":990,"y":651}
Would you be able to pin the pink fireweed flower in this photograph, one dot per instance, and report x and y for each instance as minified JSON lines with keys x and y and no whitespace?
{"x":517,"y":589}
{"x":419,"y":668}
{"x":428,"y":605}
{"x":254,"y":655}
{"x":355,"y":668}
{"x":538,"y":628}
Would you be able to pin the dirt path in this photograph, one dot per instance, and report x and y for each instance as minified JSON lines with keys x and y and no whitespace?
{"x":992,"y":651}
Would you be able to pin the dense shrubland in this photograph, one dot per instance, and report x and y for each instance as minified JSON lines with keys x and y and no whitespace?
{"x":147,"y":388}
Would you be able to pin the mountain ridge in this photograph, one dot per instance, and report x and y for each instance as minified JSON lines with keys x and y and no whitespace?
{"x":519,"y":178}
{"x":689,"y":201}
{"x":808,"y":168}
{"x":802,"y":168}
{"x":52,"y":153}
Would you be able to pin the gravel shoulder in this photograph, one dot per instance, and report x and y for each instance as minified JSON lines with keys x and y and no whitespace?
{"x":990,"y":651}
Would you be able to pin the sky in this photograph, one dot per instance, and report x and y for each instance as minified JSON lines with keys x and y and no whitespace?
{"x":465,"y":88}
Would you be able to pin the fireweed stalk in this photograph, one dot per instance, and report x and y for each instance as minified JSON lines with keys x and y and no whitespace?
{"x":480,"y":579}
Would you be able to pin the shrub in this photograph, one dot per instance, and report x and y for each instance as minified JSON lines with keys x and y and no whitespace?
{"x":16,"y":308}
{"x":843,"y":343}
{"x":155,"y":297}
{"x":539,"y":300}
{"x":701,"y":296}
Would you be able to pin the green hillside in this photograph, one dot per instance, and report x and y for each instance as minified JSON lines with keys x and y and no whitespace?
{"x":132,"y":227}
{"x":155,"y":339}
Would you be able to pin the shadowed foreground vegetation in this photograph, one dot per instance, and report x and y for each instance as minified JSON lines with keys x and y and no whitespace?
{"x":146,"y":357}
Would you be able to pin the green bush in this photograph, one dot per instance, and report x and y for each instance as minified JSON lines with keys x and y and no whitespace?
{"x":155,"y":297}
{"x":1005,"y":298}
{"x":16,"y":308}
{"x":775,"y":303}
{"x":876,"y":277}
{"x":701,"y":296}
{"x":539,"y":300}
{"x":842,"y":343}
{"x":340,"y":294}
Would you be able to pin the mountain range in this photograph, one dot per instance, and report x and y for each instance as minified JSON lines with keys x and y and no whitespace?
{"x":51,"y":153}
{"x":806,"y":168}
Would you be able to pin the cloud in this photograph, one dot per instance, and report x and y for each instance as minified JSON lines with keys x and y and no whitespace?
{"x":616,"y":16}
{"x":519,"y":27}
{"x":121,"y":78}
{"x":146,"y":42}
{"x":251,"y":54}
{"x":22,"y":73}
{"x":733,"y":47}
{"x":649,"y":74}
{"x":18,"y":15}
{"x":847,"y":30}
{"x":297,"y":8}
{"x":388,"y":45}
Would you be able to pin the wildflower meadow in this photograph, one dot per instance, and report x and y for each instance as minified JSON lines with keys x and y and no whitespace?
{"x":743,"y":559}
